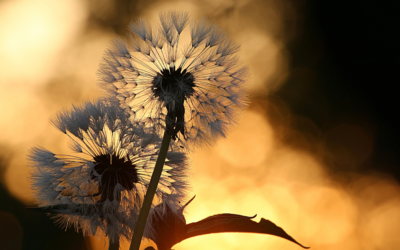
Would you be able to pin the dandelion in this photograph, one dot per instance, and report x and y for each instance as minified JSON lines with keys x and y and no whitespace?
{"x":193,"y":89}
{"x":103,"y":184}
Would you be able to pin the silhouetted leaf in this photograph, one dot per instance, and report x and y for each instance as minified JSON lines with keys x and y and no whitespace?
{"x":233,"y":223}
{"x":171,"y":228}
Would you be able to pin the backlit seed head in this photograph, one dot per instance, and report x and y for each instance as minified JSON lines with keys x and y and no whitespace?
{"x":102,"y":185}
{"x":188,"y":83}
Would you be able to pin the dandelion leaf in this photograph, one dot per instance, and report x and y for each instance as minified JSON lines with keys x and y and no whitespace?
{"x":233,"y":223}
{"x":171,"y":228}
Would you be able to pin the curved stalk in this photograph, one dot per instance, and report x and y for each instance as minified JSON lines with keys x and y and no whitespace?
{"x":113,"y":245}
{"x":148,"y":199}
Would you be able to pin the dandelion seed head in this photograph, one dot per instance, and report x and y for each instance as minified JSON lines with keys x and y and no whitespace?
{"x":102,"y":185}
{"x":187,"y":88}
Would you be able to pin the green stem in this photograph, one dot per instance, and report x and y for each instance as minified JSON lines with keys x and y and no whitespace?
{"x":148,"y":199}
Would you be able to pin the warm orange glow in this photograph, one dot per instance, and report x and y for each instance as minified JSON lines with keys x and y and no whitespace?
{"x":35,"y":39}
{"x":33,"y":34}
{"x":47,"y":62}
{"x":266,"y":57}
{"x":101,"y":243}
{"x":248,"y":145}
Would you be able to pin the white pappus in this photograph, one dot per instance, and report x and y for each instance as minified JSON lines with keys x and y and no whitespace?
{"x":190,"y":84}
{"x":102,"y":185}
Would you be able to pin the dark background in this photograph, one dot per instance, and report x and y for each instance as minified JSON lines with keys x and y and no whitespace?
{"x":345,"y":65}
{"x":343,"y":71}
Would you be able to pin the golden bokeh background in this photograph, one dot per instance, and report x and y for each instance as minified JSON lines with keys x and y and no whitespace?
{"x":49,"y":54}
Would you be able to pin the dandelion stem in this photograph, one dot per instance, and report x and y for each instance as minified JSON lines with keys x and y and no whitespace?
{"x":113,"y":245}
{"x":148,"y":199}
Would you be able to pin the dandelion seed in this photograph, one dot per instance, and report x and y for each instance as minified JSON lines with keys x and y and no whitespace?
{"x":193,"y":90}
{"x":102,"y":186}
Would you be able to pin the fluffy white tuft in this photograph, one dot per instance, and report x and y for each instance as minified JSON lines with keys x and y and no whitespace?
{"x":85,"y":190}
{"x":190,"y":89}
